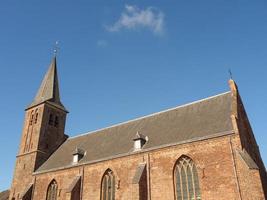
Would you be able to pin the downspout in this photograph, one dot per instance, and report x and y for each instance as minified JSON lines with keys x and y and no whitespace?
{"x":148,"y":176}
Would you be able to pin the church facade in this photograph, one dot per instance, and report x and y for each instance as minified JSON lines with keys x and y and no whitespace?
{"x":203,"y":150}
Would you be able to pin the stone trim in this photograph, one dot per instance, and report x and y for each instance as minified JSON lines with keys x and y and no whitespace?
{"x":138,"y":173}
{"x":36,"y":151}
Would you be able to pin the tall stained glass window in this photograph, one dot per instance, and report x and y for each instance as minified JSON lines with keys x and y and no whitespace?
{"x":52,"y":191}
{"x":108,"y":186}
{"x":186,"y":180}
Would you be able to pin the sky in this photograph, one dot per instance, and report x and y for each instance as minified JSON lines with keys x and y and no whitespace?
{"x":119,"y":60}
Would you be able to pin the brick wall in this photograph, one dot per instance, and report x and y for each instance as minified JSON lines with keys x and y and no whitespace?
{"x":39,"y":140}
{"x":221,"y":173}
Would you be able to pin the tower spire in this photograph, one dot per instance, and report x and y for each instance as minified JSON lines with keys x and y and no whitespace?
{"x":49,"y":89}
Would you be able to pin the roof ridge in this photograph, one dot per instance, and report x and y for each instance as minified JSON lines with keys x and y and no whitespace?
{"x":149,"y":115}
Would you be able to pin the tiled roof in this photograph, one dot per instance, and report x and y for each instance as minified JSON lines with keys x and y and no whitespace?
{"x":4,"y":195}
{"x":201,"y":119}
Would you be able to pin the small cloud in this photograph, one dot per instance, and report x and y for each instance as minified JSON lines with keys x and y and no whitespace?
{"x":102,"y":43}
{"x":133,"y":18}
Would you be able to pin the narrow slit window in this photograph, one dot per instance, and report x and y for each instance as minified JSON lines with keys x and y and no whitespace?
{"x":50,"y":122}
{"x":36,"y":118}
{"x":56,"y":121}
{"x":31,"y":120}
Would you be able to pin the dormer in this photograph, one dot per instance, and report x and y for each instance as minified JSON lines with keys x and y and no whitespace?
{"x":78,"y":154}
{"x":139,"y":141}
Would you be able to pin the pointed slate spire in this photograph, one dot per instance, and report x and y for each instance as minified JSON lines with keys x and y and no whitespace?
{"x":49,"y":89}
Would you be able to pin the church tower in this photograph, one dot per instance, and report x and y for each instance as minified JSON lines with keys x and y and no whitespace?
{"x":42,"y":134}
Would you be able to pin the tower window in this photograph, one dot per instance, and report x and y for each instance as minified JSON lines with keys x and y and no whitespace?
{"x":36,"y":118}
{"x":56,"y":121}
{"x":50,"y":122}
{"x":31,"y":120}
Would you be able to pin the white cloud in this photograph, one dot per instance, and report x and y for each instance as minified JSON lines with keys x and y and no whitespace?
{"x":133,"y":18}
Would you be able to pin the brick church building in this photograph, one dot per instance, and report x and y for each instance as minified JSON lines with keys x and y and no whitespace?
{"x":203,"y":150}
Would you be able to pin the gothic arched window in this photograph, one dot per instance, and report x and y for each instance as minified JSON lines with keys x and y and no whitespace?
{"x":186,"y":180}
{"x":50,"y":122}
{"x":52,"y":191}
{"x":108,"y":186}
{"x":31,"y":119}
{"x":56,"y":121}
{"x":36,"y":118}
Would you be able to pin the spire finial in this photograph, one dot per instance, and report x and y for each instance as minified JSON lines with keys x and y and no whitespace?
{"x":56,"y":48}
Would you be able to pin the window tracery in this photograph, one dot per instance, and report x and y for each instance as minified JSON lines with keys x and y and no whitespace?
{"x":186,"y":180}
{"x":108,"y":186}
{"x":52,"y":191}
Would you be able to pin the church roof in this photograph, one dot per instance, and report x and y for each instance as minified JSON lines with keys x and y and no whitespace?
{"x":49,"y":89}
{"x":207,"y":118}
{"x":4,"y":195}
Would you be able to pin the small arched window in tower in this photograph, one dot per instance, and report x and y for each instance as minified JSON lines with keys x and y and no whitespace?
{"x":50,"y":122}
{"x":36,"y":117}
{"x":108,"y":186}
{"x":186,"y":179}
{"x":31,"y":120}
{"x":52,"y":191}
{"x":56,"y":121}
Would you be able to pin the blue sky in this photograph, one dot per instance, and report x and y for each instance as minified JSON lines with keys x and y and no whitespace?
{"x":119,"y":60}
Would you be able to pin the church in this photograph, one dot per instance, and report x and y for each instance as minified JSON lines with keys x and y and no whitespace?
{"x":204,"y":150}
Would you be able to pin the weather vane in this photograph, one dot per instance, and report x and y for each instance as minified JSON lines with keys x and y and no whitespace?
{"x":230,"y":73}
{"x":56,"y":48}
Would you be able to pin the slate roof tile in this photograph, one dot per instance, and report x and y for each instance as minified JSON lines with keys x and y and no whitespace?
{"x":205,"y":118}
